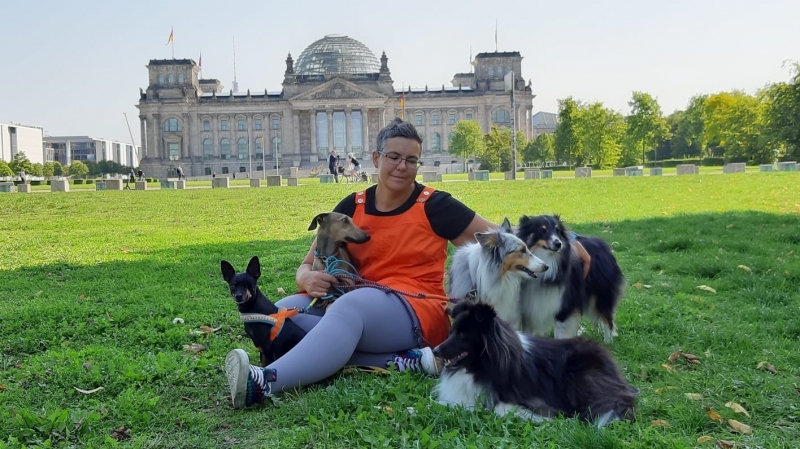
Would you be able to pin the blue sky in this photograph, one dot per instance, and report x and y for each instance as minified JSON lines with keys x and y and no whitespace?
{"x":74,"y":67}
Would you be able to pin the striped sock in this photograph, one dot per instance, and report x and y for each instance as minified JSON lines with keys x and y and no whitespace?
{"x":259,"y":384}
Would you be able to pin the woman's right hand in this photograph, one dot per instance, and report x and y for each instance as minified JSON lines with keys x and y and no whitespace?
{"x":317,"y":283}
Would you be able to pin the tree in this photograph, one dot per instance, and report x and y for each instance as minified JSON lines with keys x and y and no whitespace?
{"x":689,"y":133}
{"x":541,"y":149}
{"x":20,"y":162}
{"x":78,"y":168}
{"x":783,"y":114}
{"x":646,"y":124}
{"x":36,"y":169}
{"x":601,"y":131}
{"x":736,"y":121}
{"x":567,"y":140}
{"x":58,"y":170}
{"x":48,"y":169}
{"x":5,"y":170}
{"x":497,"y":150}
{"x":467,"y":139}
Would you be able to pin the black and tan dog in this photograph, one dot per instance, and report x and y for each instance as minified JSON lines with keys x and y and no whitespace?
{"x":335,"y":232}
{"x":268,"y":325}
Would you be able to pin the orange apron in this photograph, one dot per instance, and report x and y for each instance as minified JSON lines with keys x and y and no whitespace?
{"x":405,"y":254}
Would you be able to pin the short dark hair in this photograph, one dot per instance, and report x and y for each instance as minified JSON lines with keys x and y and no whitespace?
{"x":398,"y":128}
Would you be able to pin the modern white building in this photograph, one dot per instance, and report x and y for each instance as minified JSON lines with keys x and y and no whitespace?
{"x":16,"y":138}
{"x":84,"y":148}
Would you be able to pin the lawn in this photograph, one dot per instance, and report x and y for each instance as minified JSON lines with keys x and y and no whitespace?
{"x":91,"y":282}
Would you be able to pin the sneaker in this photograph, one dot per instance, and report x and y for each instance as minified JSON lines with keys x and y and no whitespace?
{"x":237,"y":369}
{"x":418,"y":360}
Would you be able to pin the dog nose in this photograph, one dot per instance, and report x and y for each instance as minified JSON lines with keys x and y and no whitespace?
{"x":238,"y":296}
{"x":557,"y":244}
{"x":367,"y":237}
{"x":545,"y":267}
{"x":437,"y":353}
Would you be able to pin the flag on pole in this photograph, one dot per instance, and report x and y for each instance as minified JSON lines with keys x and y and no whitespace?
{"x":403,"y":103}
{"x":171,"y":34}
{"x":200,"y":61}
{"x":495,"y":36}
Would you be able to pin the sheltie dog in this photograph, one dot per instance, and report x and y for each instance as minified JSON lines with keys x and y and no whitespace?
{"x":493,"y":270}
{"x":487,"y":363}
{"x":561,"y":296}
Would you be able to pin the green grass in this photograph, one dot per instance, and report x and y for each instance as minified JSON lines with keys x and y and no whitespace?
{"x":90,"y":284}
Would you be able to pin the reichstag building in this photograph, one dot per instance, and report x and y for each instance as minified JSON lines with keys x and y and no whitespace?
{"x":336,"y":96}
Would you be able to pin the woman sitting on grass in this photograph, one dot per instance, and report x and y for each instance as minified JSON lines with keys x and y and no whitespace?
{"x":409,"y":226}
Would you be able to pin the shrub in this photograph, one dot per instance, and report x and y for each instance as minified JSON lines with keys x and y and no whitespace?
{"x":77,"y":181}
{"x":36,"y":182}
{"x":90,"y":181}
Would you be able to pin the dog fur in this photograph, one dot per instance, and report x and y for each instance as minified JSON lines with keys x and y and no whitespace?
{"x":487,"y":363}
{"x":493,"y":269}
{"x":335,"y":232}
{"x":561,"y":296}
{"x":249,"y":299}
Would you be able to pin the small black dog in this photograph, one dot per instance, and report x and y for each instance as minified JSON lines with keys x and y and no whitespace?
{"x":269,"y":326}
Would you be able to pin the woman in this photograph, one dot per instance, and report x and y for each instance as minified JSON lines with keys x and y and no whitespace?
{"x":354,"y":167}
{"x":409,"y":226}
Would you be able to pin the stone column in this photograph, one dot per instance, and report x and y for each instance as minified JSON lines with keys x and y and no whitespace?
{"x":158,"y":152}
{"x":142,"y":139}
{"x":215,"y":135}
{"x":365,"y":130}
{"x":185,"y":136}
{"x":313,"y":114}
{"x":348,"y":131}
{"x":296,"y":132}
{"x":330,"y":129}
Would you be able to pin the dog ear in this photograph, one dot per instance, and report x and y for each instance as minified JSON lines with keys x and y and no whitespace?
{"x":228,"y":272}
{"x":317,"y":221}
{"x":460,"y":308}
{"x":523,"y":219}
{"x":484,"y":312}
{"x":254,"y":267}
{"x":487,"y":239}
{"x":506,"y":226}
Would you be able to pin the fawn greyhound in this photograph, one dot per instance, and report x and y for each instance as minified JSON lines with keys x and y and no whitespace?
{"x":335,"y":232}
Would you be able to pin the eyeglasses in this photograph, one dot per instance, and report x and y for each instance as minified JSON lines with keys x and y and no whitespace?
{"x":394,"y":159}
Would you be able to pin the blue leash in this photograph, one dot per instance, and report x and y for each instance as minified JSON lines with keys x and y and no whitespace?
{"x":332,"y":267}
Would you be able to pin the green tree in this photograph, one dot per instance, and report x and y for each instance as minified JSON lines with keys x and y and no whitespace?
{"x":58,"y":170}
{"x":48,"y":169}
{"x":36,"y":169}
{"x":5,"y":170}
{"x":497,"y":150}
{"x":689,"y":133}
{"x":540,"y":149}
{"x":646,"y":123}
{"x":467,"y":139}
{"x":783,"y":114}
{"x":78,"y":168}
{"x":20,"y":162}
{"x":567,"y":139}
{"x":601,"y":131}
{"x":737,"y":121}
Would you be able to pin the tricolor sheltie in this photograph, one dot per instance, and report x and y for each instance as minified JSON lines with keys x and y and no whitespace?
{"x":561,"y":296}
{"x":487,"y":363}
{"x":493,"y":270}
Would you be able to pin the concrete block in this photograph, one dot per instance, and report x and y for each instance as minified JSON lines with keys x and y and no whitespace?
{"x":291,"y":181}
{"x":583,"y":172}
{"x":59,"y":185}
{"x":274,"y":180}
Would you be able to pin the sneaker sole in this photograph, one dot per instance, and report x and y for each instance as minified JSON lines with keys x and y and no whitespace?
{"x":237,"y":369}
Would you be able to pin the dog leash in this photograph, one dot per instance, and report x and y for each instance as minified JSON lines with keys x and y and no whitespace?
{"x":332,"y":264}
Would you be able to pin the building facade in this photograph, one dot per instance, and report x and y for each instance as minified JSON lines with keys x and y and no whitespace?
{"x":67,"y":149}
{"x":16,"y":138}
{"x":336,"y":96}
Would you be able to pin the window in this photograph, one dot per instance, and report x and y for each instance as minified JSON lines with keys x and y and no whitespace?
{"x":241,"y":146}
{"x":260,"y":168}
{"x":451,"y":118}
{"x":259,"y":124}
{"x":435,"y":118}
{"x":277,"y":145}
{"x":224,"y":170}
{"x":491,"y":72}
{"x":172,"y":125}
{"x":468,"y":115}
{"x":259,"y":148}
{"x":208,"y":149}
{"x":161,"y":78}
{"x":501,"y":116}
{"x":436,"y":143}
{"x":223,"y":125}
{"x":418,"y":119}
{"x":356,"y":131}
{"x":206,"y":125}
{"x":171,"y":79}
{"x":174,"y":151}
{"x":240,"y":125}
{"x":339,"y":131}
{"x":242,"y":169}
{"x":180,"y":78}
{"x":225,"y":149}
{"x":322,"y":133}
{"x":276,"y":123}
{"x":208,"y":171}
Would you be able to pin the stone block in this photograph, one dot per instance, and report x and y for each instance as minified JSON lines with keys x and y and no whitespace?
{"x":292,"y":182}
{"x":374,"y":178}
{"x":547,"y":174}
{"x":766,"y":167}
{"x":255,"y":182}
{"x":734,"y":167}
{"x":633,"y":171}
{"x":274,"y":180}
{"x":326,"y":179}
{"x":619,"y":172}
{"x":141,"y":185}
{"x":59,"y":185}
{"x":180,"y":184}
{"x":115,"y":184}
{"x":100,"y":185}
{"x":787,"y":166}
{"x":24,"y":188}
{"x":221,"y":182}
{"x":583,"y":172}
{"x":430,"y":176}
{"x":7,"y":187}
{"x":656,"y":171}
{"x":480,"y":175}
{"x":687,"y":169}
{"x":532,"y":173}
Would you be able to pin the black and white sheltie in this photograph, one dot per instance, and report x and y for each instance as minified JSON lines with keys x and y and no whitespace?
{"x":487,"y":363}
{"x":493,"y":269}
{"x":561,"y":296}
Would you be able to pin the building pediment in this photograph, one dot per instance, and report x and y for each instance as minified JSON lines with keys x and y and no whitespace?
{"x":338,"y":89}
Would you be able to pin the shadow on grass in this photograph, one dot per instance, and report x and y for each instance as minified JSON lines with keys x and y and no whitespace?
{"x":111,"y":325}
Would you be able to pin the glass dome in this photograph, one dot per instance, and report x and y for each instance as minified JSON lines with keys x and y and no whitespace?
{"x":335,"y":54}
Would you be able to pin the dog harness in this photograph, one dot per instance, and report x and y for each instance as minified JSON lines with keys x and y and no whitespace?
{"x":276,"y":320}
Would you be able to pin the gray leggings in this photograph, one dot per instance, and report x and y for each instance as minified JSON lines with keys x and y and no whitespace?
{"x":366,"y":326}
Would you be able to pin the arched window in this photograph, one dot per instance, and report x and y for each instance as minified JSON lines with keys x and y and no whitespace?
{"x":208,"y":149}
{"x":171,"y":78}
{"x":276,"y":122}
{"x":180,"y":78}
{"x":160,"y":78}
{"x":259,"y":148}
{"x":501,"y":116}
{"x":172,"y":125}
{"x":450,"y":139}
{"x":491,"y":71}
{"x":276,"y":143}
{"x":436,"y":143}
{"x":225,"y":149}
{"x":241,"y":146}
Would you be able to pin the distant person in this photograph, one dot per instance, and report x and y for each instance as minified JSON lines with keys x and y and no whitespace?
{"x":332,"y":159}
{"x":22,"y":176}
{"x":131,"y":178}
{"x":141,"y":175}
{"x":180,"y":173}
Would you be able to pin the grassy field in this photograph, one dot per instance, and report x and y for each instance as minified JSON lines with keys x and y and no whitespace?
{"x":91,"y":282}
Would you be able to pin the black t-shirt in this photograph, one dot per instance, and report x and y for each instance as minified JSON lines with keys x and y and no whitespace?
{"x":448,"y":216}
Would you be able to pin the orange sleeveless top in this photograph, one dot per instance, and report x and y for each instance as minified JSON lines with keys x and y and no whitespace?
{"x":406,"y":254}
